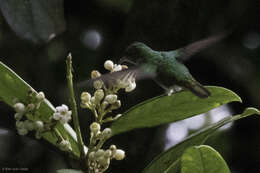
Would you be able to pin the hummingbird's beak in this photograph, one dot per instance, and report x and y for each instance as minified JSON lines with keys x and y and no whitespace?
{"x":125,"y":59}
{"x":122,"y":60}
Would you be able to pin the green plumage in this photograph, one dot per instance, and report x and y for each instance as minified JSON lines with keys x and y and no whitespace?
{"x":168,"y":69}
{"x":165,"y":67}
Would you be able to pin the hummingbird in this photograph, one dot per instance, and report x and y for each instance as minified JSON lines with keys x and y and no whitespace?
{"x":166,"y":68}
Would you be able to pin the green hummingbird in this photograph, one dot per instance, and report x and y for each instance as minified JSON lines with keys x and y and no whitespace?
{"x":166,"y":67}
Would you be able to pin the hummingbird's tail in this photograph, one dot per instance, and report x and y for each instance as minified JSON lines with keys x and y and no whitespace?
{"x":197,"y":89}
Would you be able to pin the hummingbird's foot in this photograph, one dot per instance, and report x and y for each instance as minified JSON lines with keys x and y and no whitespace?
{"x":173,"y":89}
{"x":169,"y":91}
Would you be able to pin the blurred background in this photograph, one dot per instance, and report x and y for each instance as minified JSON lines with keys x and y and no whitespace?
{"x":36,"y":36}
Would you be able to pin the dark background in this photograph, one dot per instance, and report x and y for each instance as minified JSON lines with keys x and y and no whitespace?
{"x":36,"y":36}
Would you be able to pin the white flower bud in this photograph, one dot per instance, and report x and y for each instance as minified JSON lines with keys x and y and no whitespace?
{"x":99,"y":135}
{"x":108,"y":153}
{"x":107,"y":133}
{"x":116,"y":105}
{"x":30,"y":107}
{"x":95,"y":74}
{"x":62,"y":113}
{"x":124,"y":67}
{"x":19,"y":107}
{"x":85,"y":97}
{"x":91,"y":155}
{"x":111,"y":98}
{"x":18,"y":116}
{"x":117,"y":68}
{"x":130,"y":87}
{"x":99,"y":95}
{"x":109,"y":65}
{"x":19,"y":124}
{"x":28,"y":125}
{"x":99,"y":153}
{"x":104,"y":104}
{"x":56,"y":115}
{"x":40,"y":96}
{"x":66,"y":118}
{"x":93,"y":100}
{"x":104,"y":161}
{"x":22,"y":131}
{"x":84,"y":105}
{"x":95,"y":127}
{"x":119,"y":154}
{"x":98,"y":84}
{"x":112,"y":147}
{"x":62,"y":109}
{"x":39,"y":125}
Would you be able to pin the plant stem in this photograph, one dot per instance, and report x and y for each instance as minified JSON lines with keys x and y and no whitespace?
{"x":58,"y":135}
{"x":73,"y":105}
{"x":100,"y":144}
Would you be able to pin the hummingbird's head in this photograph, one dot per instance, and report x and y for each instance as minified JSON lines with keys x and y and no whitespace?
{"x":136,"y":50}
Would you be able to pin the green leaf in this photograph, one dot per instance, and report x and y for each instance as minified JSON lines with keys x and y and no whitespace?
{"x":13,"y":87}
{"x":166,"y":109}
{"x":169,"y":161}
{"x":69,"y":171}
{"x":35,"y":20}
{"x":249,"y":111}
{"x":202,"y":159}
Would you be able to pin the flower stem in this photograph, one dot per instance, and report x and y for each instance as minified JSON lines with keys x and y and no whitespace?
{"x":58,"y":135}
{"x":73,"y":105}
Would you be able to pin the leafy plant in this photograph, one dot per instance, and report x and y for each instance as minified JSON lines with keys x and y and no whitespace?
{"x":35,"y":113}
{"x":27,"y":18}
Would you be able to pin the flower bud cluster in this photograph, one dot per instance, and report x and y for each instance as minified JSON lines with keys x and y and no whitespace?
{"x":127,"y":82}
{"x":24,"y":125}
{"x":99,"y":160}
{"x":100,"y":103}
{"x":103,"y":101}
{"x":62,"y":114}
{"x":92,"y":102}
{"x":96,"y":134}
{"x":98,"y":84}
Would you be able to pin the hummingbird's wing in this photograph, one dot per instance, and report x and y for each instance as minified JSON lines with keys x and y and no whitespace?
{"x":113,"y":78}
{"x":194,"y":48}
